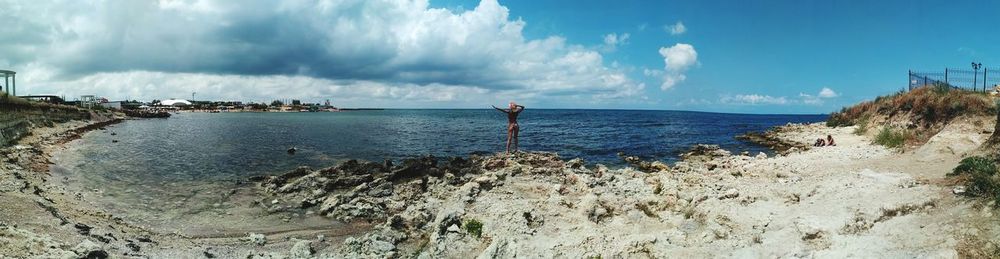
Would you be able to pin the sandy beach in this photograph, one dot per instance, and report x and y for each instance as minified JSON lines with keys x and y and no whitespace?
{"x":855,"y":199}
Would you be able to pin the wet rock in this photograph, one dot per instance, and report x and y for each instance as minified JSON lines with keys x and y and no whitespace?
{"x":642,"y":165}
{"x":576,"y":163}
{"x":771,"y":140}
{"x":276,"y":182}
{"x":413,"y":168}
{"x":707,"y":151}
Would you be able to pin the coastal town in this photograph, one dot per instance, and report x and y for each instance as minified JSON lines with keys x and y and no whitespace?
{"x":286,"y":105}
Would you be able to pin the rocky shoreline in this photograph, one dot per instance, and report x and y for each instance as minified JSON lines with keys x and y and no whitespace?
{"x":801,"y":203}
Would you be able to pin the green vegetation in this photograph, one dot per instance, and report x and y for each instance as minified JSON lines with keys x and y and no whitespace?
{"x":891,"y":138}
{"x":983,"y":180}
{"x":862,"y":126}
{"x":474,"y":227}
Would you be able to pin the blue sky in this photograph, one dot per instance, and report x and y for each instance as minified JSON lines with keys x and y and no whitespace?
{"x":859,"y":49}
{"x":732,"y":56}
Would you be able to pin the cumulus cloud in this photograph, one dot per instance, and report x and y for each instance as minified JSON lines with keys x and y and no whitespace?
{"x":675,"y":29}
{"x":396,"y":44}
{"x":754,"y":99}
{"x":677,"y":60}
{"x":817,"y":99}
{"x":827,"y":93}
{"x":613,"y":40}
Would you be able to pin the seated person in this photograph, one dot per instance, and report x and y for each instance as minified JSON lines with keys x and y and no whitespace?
{"x":819,"y":142}
{"x":829,"y":141}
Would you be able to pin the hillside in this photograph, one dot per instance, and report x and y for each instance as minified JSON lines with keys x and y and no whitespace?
{"x":908,"y":119}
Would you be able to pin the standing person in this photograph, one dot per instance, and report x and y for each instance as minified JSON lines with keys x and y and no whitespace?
{"x":512,"y":128}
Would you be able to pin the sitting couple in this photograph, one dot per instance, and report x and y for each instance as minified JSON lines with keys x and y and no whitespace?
{"x":820,"y":142}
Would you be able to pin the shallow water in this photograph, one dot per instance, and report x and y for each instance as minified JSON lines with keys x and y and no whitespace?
{"x":178,"y":168}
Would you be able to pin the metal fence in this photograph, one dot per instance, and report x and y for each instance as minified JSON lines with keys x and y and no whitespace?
{"x":976,"y":80}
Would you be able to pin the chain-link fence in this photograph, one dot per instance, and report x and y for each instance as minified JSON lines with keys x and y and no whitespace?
{"x":983,"y":79}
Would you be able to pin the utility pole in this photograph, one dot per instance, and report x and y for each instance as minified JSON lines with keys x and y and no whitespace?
{"x":192,"y":96}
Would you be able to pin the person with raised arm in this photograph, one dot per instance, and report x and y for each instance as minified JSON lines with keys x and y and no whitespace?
{"x":512,"y":128}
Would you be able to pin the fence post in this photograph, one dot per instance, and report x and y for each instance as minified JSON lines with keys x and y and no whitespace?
{"x":946,"y":76}
{"x":984,"y":80}
{"x":909,"y":78}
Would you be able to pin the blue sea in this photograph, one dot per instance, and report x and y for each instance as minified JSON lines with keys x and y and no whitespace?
{"x":228,"y":146}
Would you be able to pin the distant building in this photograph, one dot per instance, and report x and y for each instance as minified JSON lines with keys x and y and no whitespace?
{"x":175,"y":103}
{"x":88,"y":101}
{"x":117,"y":105}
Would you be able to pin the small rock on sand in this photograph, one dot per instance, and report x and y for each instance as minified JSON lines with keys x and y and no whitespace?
{"x":258,"y":239}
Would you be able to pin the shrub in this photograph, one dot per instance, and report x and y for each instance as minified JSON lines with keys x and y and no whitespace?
{"x":474,"y":227}
{"x":890,"y":138}
{"x":983,"y":178}
{"x":862,"y":126}
{"x":941,"y":88}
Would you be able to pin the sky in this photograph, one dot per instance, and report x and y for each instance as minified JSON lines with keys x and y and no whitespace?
{"x":787,"y":57}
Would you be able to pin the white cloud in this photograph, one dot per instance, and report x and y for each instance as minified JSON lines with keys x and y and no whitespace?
{"x":613,"y":40}
{"x":676,"y":29}
{"x":652,"y":72}
{"x":754,"y":99}
{"x":677,"y":60}
{"x":817,"y":99}
{"x":827,"y":93}
{"x":402,"y":45}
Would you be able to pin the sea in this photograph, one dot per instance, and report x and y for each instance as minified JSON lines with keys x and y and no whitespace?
{"x":220,"y":146}
{"x":178,"y":174}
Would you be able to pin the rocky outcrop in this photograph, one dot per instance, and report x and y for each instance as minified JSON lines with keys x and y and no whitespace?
{"x":771,"y":139}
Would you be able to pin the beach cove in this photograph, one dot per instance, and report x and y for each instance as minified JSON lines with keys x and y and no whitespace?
{"x":828,"y":201}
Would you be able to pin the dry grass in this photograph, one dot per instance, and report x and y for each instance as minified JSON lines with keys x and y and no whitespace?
{"x":927,"y":109}
{"x":928,"y":105}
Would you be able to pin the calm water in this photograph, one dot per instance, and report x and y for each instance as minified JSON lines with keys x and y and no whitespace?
{"x":227,"y":146}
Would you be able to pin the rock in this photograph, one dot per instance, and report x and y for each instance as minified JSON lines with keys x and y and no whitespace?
{"x":761,"y":155}
{"x":729,"y":194}
{"x":381,"y":188}
{"x":448,"y":217}
{"x":257,"y":239}
{"x":291,"y":151}
{"x":88,"y":249}
{"x":83,"y":229}
{"x":302,"y":249}
{"x":454,"y":228}
{"x":576,"y":163}
{"x":413,"y":168}
{"x":501,"y":248}
{"x":958,"y":190}
{"x":208,"y":255}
